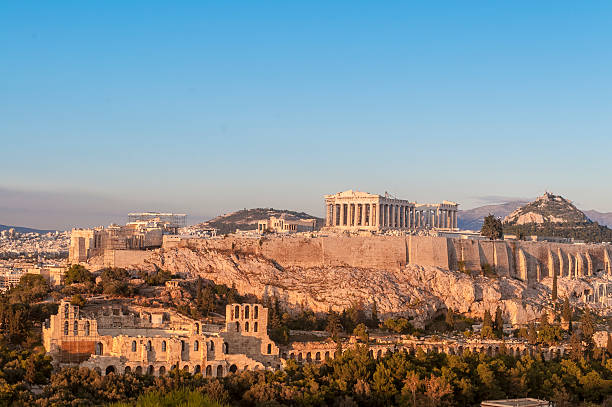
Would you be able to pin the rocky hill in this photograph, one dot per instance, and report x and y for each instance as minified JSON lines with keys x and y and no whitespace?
{"x":246,"y":219}
{"x":554,"y":215}
{"x":548,"y":208}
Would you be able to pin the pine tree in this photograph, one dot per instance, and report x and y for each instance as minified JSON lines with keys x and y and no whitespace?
{"x":492,"y":228}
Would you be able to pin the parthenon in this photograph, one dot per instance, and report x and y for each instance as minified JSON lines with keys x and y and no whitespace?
{"x":356,"y":210}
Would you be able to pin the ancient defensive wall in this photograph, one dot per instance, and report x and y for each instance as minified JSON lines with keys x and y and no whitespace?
{"x":527,"y":261}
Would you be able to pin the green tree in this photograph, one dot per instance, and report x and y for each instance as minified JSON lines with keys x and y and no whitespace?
{"x":487,"y":326}
{"x":78,"y":300}
{"x":77,"y":273}
{"x":499,"y":323}
{"x":374,"y":321}
{"x":492,"y":228}
{"x":114,"y":281}
{"x":532,"y":334}
{"x":587,"y":326}
{"x":361,"y":332}
{"x":554,"y":287}
{"x":450,"y":319}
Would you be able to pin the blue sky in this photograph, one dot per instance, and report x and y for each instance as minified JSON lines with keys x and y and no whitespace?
{"x":207,"y":107}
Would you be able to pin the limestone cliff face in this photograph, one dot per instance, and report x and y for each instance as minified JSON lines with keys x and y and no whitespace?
{"x":412,"y":290}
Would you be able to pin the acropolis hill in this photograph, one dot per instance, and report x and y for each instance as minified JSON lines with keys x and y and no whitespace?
{"x":373,"y":248}
{"x":410,"y":275}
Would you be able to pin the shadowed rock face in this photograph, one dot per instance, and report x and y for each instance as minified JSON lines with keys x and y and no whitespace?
{"x":418,"y":292}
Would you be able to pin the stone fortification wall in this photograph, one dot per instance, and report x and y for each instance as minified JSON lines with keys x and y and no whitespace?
{"x":528,"y":261}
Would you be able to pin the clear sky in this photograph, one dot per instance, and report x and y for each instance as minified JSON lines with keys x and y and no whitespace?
{"x":206,"y":107}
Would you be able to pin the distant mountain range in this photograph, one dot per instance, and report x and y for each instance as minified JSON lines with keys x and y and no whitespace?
{"x":21,"y":229}
{"x":246,"y":219}
{"x":472,"y":219}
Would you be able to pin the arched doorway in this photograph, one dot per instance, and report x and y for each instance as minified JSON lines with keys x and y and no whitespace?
{"x":233,"y":368}
{"x":219,"y":371}
{"x":138,"y":370}
{"x":110,"y":369}
{"x":162,"y":370}
{"x":197,"y":369}
{"x":150,"y":370}
{"x":127,"y":370}
{"x":208,"y":371}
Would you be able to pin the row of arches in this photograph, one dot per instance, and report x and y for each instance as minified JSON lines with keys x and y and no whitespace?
{"x":184,"y":345}
{"x":378,"y":352}
{"x":208,"y":371}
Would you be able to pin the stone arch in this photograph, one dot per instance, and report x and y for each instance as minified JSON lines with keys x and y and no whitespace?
{"x":196,"y":346}
{"x":75,"y":329}
{"x":246,"y":312}
{"x":219,"y":371}
{"x":237,"y":312}
{"x":318,"y":356}
{"x":233,"y":369}
{"x":197,"y":328}
{"x":292,"y":355}
{"x":133,"y":346}
{"x":256,"y":313}
{"x":237,"y":326}
{"x":99,"y":348}
{"x":208,"y":371}
{"x":139,"y":370}
{"x":150,"y":370}
{"x":162,"y":370}
{"x":379,"y":354}
{"x":326,"y":355}
{"x":186,"y":368}
{"x":308,"y":357}
{"x":127,"y":370}
{"x":163,"y":346}
{"x":197,"y":369}
{"x":246,"y":326}
{"x":66,"y":308}
{"x":299,"y":357}
{"x":211,"y":345}
{"x":110,"y":369}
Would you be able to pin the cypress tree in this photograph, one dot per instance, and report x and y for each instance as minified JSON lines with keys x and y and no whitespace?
{"x":554,"y":287}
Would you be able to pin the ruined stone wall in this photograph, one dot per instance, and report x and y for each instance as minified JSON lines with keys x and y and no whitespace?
{"x":528,"y":261}
{"x":125,"y":258}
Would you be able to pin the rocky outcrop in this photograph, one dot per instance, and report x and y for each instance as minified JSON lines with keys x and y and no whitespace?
{"x":417,"y":292}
